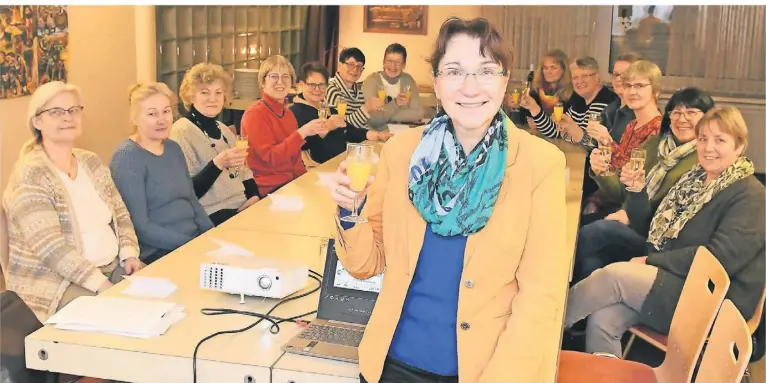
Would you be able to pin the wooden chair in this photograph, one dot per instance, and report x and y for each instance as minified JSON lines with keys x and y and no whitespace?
{"x":697,"y":308}
{"x":728,"y":349}
{"x":660,"y":341}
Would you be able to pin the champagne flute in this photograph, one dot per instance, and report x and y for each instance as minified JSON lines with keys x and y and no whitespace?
{"x":358,"y":168}
{"x":382,"y":94}
{"x":342,"y":107}
{"x":241,"y":144}
{"x":593,"y":117}
{"x":606,"y":151}
{"x":323,"y":110}
{"x":558,"y":113}
{"x":407,"y":93}
{"x":637,"y":161}
{"x":516,"y":98}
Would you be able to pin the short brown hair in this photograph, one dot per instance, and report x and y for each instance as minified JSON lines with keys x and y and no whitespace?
{"x":586,"y":62}
{"x":491,"y":43}
{"x":204,"y":73}
{"x":629,"y":57}
{"x":729,"y":121}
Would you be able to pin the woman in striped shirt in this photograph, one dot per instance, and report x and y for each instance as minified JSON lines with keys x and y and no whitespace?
{"x":344,"y":87}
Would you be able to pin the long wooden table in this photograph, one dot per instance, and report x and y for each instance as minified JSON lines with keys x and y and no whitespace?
{"x":252,"y":356}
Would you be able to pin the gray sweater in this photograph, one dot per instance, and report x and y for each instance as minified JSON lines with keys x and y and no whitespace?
{"x":160,"y":197}
{"x":392,"y":113}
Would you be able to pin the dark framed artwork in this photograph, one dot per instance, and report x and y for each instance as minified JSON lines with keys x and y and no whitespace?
{"x":402,"y":19}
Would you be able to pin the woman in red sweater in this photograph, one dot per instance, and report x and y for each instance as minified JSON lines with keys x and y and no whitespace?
{"x":274,"y":152}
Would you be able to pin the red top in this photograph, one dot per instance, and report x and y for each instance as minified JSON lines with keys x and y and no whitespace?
{"x":274,"y":152}
{"x":631,"y":139}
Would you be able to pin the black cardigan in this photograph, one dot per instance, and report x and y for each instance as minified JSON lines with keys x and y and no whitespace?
{"x":334,"y":143}
{"x":731,"y":225}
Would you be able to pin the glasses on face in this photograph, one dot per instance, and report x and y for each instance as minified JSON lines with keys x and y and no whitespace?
{"x":274,"y":77}
{"x":314,"y":86}
{"x":636,"y":86}
{"x":688,"y":114}
{"x":583,"y":77}
{"x":484,"y":76}
{"x":354,"y":67}
{"x":60,"y":112}
{"x":394,"y":63}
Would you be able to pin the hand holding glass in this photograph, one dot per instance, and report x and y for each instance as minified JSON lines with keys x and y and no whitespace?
{"x":241,"y":144}
{"x":636,"y":165}
{"x":359,"y":158}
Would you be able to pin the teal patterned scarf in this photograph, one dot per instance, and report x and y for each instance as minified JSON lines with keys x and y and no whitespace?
{"x":453,"y":192}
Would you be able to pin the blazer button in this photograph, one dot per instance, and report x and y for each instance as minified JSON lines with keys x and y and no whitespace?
{"x":465,"y":326}
{"x":469,"y":284}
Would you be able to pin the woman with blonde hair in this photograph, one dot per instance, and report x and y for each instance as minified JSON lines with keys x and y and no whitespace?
{"x":273,"y":135}
{"x":717,"y":204}
{"x":222,"y":182}
{"x":151,"y":174}
{"x":552,"y":82}
{"x":69,"y":231}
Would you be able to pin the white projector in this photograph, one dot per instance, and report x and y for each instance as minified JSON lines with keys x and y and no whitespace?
{"x":260,"y":277}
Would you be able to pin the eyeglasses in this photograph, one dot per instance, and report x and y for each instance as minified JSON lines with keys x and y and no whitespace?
{"x":274,"y":77}
{"x":583,"y":77}
{"x":637,"y":86}
{"x":688,"y":114}
{"x":393,"y":63}
{"x":312,"y":86}
{"x":484,"y":76}
{"x":60,"y":112}
{"x":352,"y":66}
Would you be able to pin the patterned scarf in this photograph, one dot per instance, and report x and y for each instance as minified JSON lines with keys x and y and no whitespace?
{"x":688,"y":196}
{"x":669,"y":154}
{"x":453,"y":192}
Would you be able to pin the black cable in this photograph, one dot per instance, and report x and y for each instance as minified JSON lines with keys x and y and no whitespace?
{"x":275,"y":321}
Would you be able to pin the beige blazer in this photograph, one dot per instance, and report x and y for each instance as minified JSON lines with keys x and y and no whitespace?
{"x":515,"y":276}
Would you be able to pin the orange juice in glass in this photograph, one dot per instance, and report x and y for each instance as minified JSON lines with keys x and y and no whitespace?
{"x":359,"y":158}
{"x":382,"y":94}
{"x":342,"y":106}
{"x":558,"y":111}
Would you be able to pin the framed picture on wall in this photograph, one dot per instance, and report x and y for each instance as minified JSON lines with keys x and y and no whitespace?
{"x":402,"y":19}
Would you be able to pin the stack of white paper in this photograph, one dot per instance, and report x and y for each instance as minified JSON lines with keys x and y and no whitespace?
{"x":286,"y":202}
{"x":120,"y":316}
{"x":226,"y":249}
{"x":150,"y":287}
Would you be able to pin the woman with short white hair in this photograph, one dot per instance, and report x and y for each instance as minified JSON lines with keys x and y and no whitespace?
{"x":69,"y":231}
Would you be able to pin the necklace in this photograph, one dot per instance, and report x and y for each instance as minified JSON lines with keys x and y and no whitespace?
{"x":212,"y":145}
{"x":284,"y":110}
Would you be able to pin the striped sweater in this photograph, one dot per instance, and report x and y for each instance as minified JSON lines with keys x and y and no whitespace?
{"x":578,"y":109}
{"x":354,"y":97}
{"x":45,"y":253}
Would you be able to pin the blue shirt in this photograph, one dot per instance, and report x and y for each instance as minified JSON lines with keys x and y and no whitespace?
{"x":426,"y":335}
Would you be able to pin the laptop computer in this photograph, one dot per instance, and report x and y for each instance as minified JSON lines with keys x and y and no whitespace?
{"x":345,"y":306}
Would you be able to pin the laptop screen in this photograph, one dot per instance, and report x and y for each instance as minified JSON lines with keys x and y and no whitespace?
{"x":344,"y":298}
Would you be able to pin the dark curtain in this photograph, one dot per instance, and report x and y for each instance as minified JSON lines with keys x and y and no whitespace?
{"x":321,"y":35}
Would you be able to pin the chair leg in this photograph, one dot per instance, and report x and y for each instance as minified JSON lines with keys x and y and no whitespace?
{"x":628,"y":346}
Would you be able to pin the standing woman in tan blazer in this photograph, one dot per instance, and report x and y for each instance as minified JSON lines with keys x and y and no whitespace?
{"x":466,"y":217}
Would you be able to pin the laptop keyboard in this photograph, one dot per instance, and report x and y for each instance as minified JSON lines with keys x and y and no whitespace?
{"x":333,"y":334}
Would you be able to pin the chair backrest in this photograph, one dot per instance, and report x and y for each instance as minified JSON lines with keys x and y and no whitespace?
{"x":697,"y":308}
{"x":4,"y":249}
{"x":755,"y":320}
{"x":728,"y":349}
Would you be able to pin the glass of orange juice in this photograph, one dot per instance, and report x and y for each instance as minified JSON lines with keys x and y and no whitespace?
{"x":382,"y":94}
{"x":342,"y":106}
{"x":241,"y":144}
{"x":558,"y":111}
{"x":359,"y":158}
{"x":407,"y":92}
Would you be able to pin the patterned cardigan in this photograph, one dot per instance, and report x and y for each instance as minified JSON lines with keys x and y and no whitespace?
{"x":45,"y":253}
